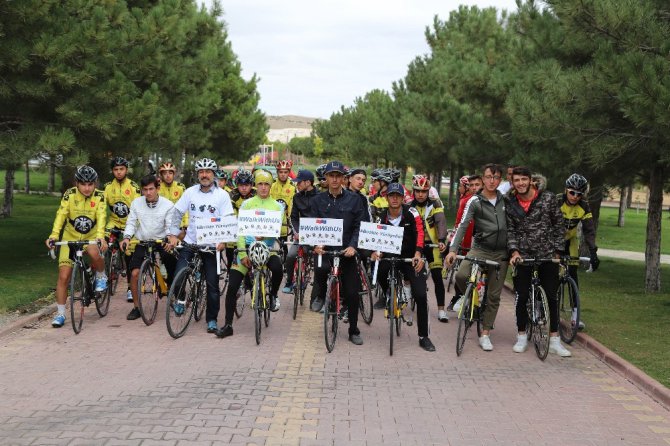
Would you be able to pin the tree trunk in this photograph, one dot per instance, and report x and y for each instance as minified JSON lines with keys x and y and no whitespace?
{"x":452,"y":174}
{"x":438,"y":182}
{"x":652,"y":253}
{"x":51,"y":184}
{"x":9,"y":193}
{"x":629,"y":200}
{"x":623,"y":199}
{"x":26,"y":187}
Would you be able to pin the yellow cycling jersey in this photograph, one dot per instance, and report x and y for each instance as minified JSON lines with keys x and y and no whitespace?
{"x":173,"y":192}
{"x":80,"y":217}
{"x":572,"y":216}
{"x":284,"y":192}
{"x":377,"y":205}
{"x":118,"y":196}
{"x":237,"y":199}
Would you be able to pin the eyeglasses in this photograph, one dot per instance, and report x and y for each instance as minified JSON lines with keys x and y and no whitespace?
{"x":492,"y":177}
{"x":575,"y":193}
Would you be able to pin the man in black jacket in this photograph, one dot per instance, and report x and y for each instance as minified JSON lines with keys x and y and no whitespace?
{"x":408,"y":218}
{"x":339,"y":203}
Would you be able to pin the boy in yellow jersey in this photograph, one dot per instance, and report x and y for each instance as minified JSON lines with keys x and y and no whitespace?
{"x":81,"y":216}
{"x":172,"y":190}
{"x":119,"y":193}
{"x":283,"y":189}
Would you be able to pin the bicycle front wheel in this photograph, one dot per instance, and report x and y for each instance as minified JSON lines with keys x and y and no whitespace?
{"x":297,"y":287}
{"x":179,"y":307}
{"x":365,"y":296}
{"x":257,"y":306}
{"x":147,"y":292}
{"x":568,"y":310}
{"x":102,"y":300}
{"x":267,"y":301}
{"x":77,"y":296}
{"x":391,"y":307}
{"x":464,"y":319}
{"x":541,"y":329}
{"x":199,"y":299}
{"x":451,"y":274}
{"x":398,"y":311}
{"x":241,"y":301}
{"x":330,"y":313}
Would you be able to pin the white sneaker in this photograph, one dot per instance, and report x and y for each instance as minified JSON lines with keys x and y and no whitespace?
{"x":582,"y":325}
{"x":555,"y":346}
{"x":407,"y":292}
{"x":521,"y":344}
{"x":458,"y":304}
{"x":129,"y":296}
{"x":485,"y":343}
{"x":442,"y":316}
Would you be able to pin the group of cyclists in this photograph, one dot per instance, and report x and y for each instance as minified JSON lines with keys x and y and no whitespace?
{"x":500,"y":221}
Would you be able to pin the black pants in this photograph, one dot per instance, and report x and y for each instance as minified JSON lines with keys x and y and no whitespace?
{"x":211,"y":277}
{"x":235,"y":278}
{"x":350,"y":286}
{"x":548,"y":273}
{"x":418,"y":284}
{"x":436,"y":274}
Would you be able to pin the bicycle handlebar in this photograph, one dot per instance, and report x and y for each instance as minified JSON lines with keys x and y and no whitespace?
{"x":52,"y":252}
{"x":479,"y":261}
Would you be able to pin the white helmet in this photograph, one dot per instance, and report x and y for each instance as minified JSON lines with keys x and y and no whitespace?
{"x":259,"y":253}
{"x":205,"y":164}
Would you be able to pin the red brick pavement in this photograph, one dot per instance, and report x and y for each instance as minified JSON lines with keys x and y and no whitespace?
{"x":122,"y":383}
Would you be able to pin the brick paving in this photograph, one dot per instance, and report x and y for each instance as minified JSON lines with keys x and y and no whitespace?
{"x":122,"y":383}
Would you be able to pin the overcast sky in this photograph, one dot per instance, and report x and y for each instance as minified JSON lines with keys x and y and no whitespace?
{"x":314,"y":56}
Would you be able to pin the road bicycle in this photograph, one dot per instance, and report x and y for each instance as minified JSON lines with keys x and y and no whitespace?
{"x":302,"y":276}
{"x":151,"y":285}
{"x":260,"y":290}
{"x":82,"y":284}
{"x":569,"y":307}
{"x":115,"y":260}
{"x":187,"y":297}
{"x":396,"y":301}
{"x":332,"y":304}
{"x":474,"y":299}
{"x":366,"y":292}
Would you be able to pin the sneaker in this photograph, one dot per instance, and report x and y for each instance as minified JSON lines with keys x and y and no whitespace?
{"x":178,"y":309}
{"x":450,"y":307}
{"x":521,"y":343}
{"x":344,"y":315}
{"x":101,"y":284}
{"x":225,"y":331}
{"x":275,"y":304}
{"x":129,"y":295}
{"x":582,"y":325}
{"x":555,"y":346}
{"x":317,"y":305}
{"x":134,"y":314}
{"x":356,"y":339}
{"x":485,"y":343}
{"x":457,"y":305}
{"x":59,"y":321}
{"x":426,"y":344}
{"x":442,"y":316}
{"x":407,"y":293}
{"x":211,"y":327}
{"x":288,"y":288}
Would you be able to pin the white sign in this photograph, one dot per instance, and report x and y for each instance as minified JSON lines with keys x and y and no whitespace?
{"x":377,"y":237}
{"x":213,"y":230}
{"x":259,"y":223}
{"x":321,"y":231}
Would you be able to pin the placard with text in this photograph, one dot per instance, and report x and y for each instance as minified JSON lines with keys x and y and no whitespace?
{"x":320,"y":231}
{"x":213,"y":230}
{"x":259,"y":223}
{"x":378,"y":237}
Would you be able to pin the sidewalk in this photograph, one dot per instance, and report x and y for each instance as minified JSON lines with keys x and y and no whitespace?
{"x":630,"y":255}
{"x":120,"y":382}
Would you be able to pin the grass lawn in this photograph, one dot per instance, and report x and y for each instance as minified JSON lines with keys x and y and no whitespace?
{"x":38,"y":180}
{"x":633,"y":235}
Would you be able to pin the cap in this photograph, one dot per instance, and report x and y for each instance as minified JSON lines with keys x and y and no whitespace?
{"x":335,"y":166}
{"x":395,"y":188}
{"x":304,"y":175}
{"x":263,"y":176}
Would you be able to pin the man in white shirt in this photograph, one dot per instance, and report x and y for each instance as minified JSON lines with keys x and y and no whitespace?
{"x":205,"y":199}
{"x":148,"y":220}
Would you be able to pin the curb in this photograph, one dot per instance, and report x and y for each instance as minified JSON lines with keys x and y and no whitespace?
{"x":27,"y":320}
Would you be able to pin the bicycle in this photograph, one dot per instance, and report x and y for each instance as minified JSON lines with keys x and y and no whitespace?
{"x":569,"y":307}
{"x":396,"y":301}
{"x":302,"y":276}
{"x":82,"y":284}
{"x":537,"y":306}
{"x":474,"y":299}
{"x":115,"y":260}
{"x":151,"y":285}
{"x":365,"y":294}
{"x":332,"y":305}
{"x":187,"y":295}
{"x":260,"y":294}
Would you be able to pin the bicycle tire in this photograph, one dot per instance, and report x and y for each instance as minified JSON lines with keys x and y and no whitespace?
{"x":102,"y":300}
{"x":113,"y":272}
{"x":267,"y":300}
{"x":179,"y":291}
{"x":568,"y":299}
{"x":330,"y":313}
{"x":365,"y":305}
{"x":257,"y":306}
{"x":200,"y":299}
{"x":541,"y":330}
{"x":398,"y":312}
{"x":240,"y":301}
{"x":451,"y":275}
{"x":306,"y":279}
{"x":464,"y":321}
{"x":391,"y":306}
{"x":77,"y":296}
{"x":147,"y":292}
{"x":297,"y":285}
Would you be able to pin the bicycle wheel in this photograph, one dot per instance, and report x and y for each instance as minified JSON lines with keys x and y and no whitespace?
{"x":179,"y":307}
{"x":112,"y":270}
{"x":451,"y":274}
{"x":77,"y":296}
{"x":365,"y":296}
{"x":267,"y":302}
{"x":240,"y":302}
{"x":306,"y":279}
{"x":297,"y":287}
{"x":257,"y":306}
{"x":391,"y":307}
{"x":147,"y":292}
{"x":464,"y":321}
{"x":199,"y":299}
{"x":568,"y":310}
{"x":330,"y":313}
{"x":541,"y":330}
{"x":400,"y":294}
{"x":102,"y":299}
{"x":223,"y":283}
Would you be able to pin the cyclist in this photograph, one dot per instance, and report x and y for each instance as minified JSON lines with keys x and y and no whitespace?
{"x":465,"y":194}
{"x":575,"y":209}
{"x":283,"y":190}
{"x":402,"y":215}
{"x":119,"y":193}
{"x":300,"y":208}
{"x":535,"y":230}
{"x":204,"y":199}
{"x":378,"y":201}
{"x":262,"y":200}
{"x":357,"y":179}
{"x":222,"y":180}
{"x":340,"y":203}
{"x":323,"y":186}
{"x":172,"y":190}
{"x":243,"y":190}
{"x":487,"y":210}
{"x":149,"y":219}
{"x":81,"y":216}
{"x":435,"y":232}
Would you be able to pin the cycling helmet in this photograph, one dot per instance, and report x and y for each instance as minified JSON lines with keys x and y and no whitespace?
{"x":385,"y":176}
{"x":284,"y":164}
{"x":395,"y":175}
{"x":263,"y":176}
{"x":205,"y":164}
{"x":244,"y":177}
{"x":464,"y":181}
{"x":118,"y":161}
{"x":167,"y":166}
{"x":86,"y":174}
{"x":374,"y":175}
{"x":320,"y":175}
{"x":221,"y":174}
{"x":258,"y":253}
{"x":420,"y":182}
{"x":577,"y":182}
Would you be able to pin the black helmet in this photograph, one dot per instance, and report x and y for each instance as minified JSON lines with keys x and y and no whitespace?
{"x":86,"y":174}
{"x":385,"y":175}
{"x":118,"y":161}
{"x":244,"y":177}
{"x":395,"y":175}
{"x":320,"y":175}
{"x":577,"y":182}
{"x":375,"y":174}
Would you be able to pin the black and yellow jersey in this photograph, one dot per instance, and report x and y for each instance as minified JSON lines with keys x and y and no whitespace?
{"x":572,"y":216}
{"x":118,"y":196}
{"x":80,"y":217}
{"x":237,"y":199}
{"x":172,"y":191}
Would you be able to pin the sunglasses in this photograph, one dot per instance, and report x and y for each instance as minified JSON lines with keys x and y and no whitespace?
{"x":575,"y":193}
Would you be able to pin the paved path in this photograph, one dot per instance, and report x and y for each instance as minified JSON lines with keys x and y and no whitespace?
{"x":122,"y":383}
{"x":629,"y":255}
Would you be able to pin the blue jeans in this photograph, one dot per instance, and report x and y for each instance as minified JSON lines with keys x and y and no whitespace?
{"x":212,"y":279}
